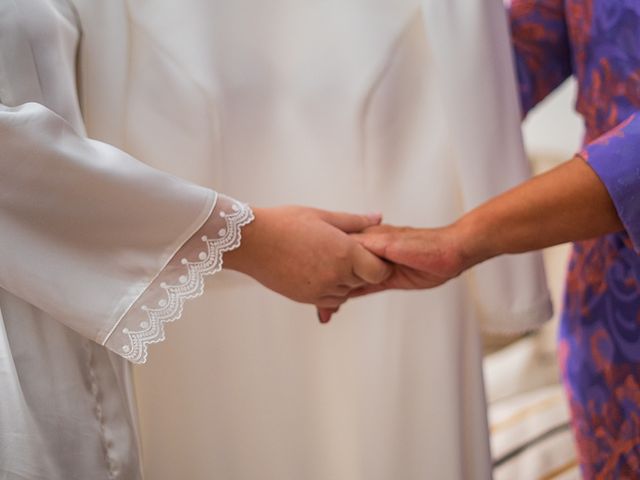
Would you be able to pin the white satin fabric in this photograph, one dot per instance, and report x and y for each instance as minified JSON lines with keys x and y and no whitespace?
{"x":404,"y":106}
{"x":87,"y":235}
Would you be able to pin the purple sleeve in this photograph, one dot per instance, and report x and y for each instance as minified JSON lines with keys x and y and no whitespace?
{"x":541,"y":48}
{"x":615,"y":157}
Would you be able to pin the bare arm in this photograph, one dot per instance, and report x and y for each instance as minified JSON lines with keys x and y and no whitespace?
{"x":568,"y":203}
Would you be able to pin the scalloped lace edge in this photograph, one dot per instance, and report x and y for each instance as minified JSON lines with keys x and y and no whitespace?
{"x":171,"y":307}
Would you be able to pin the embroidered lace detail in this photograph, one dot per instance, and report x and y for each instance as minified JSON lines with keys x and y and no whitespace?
{"x":190,"y":284}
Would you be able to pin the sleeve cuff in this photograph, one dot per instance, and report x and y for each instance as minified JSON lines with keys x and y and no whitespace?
{"x":615,"y":157}
{"x":182,"y":279}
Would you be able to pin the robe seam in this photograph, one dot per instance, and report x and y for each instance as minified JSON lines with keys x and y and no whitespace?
{"x":99,"y":415}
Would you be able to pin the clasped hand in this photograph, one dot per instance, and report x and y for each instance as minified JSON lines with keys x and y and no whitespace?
{"x":324,"y":258}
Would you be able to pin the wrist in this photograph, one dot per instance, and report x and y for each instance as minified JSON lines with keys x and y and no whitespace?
{"x":476,"y":239}
{"x":240,"y":258}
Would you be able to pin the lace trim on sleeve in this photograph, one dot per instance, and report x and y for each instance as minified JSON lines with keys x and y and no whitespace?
{"x":181,"y":280}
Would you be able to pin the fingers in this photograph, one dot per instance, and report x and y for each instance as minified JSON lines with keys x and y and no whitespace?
{"x":324,"y":314}
{"x":353,"y":282}
{"x":331,"y":301}
{"x":369,"y":267}
{"x":382,"y":228}
{"x":388,"y":243}
{"x":349,"y":222}
{"x":366,"y":290}
{"x":374,"y":242}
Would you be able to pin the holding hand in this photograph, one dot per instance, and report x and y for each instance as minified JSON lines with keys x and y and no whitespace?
{"x":421,"y":257}
{"x":307,"y":255}
{"x":566,"y":204}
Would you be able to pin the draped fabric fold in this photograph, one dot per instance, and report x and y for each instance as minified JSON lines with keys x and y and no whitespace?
{"x":85,"y":231}
{"x":85,"y":226}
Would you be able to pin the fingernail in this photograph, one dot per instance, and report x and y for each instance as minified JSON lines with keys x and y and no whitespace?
{"x":320,"y":319}
{"x":374,"y":216}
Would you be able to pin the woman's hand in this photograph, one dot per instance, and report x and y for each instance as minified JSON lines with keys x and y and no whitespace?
{"x":307,"y":254}
{"x":421,"y":257}
{"x":566,"y":204}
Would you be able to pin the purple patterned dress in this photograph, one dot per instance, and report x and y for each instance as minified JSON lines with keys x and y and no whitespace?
{"x":598,"y":41}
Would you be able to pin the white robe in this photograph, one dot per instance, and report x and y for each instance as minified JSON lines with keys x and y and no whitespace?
{"x":404,"y":106}
{"x":88,"y":237}
{"x":347,"y":106}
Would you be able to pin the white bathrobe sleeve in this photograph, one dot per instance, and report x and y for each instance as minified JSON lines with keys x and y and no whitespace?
{"x":101,"y":242}
{"x":472,"y":46}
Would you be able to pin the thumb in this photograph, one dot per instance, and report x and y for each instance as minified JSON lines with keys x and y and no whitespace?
{"x":376,"y":243}
{"x":369,"y":267}
{"x":350,"y":222}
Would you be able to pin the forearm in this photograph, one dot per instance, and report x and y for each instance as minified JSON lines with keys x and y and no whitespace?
{"x":568,"y":203}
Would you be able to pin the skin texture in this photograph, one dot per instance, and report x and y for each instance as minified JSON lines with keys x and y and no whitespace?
{"x":307,"y":254}
{"x":568,"y":203}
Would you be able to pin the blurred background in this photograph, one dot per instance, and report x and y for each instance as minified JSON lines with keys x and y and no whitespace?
{"x":528,"y":414}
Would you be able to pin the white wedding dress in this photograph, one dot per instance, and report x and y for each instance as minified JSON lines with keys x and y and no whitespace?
{"x":407,"y":107}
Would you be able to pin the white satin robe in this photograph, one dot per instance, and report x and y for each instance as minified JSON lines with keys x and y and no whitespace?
{"x":281,"y":102}
{"x":92,"y":244}
{"x":404,"y":106}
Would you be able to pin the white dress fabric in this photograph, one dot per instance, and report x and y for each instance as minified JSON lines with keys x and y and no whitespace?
{"x":89,"y":236}
{"x":408,"y":107}
{"x":403,"y":107}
